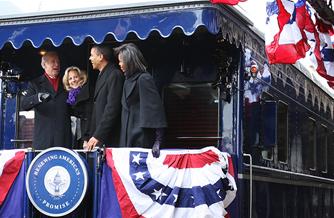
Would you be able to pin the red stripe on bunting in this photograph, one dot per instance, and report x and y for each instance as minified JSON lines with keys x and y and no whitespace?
{"x":182,"y":161}
{"x":230,"y":166}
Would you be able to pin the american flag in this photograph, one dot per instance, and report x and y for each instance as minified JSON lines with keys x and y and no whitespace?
{"x":254,"y":87}
{"x":180,"y":183}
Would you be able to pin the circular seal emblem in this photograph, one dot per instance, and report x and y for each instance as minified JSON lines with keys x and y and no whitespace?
{"x":56,"y":181}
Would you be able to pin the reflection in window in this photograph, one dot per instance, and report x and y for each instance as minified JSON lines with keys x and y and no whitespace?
{"x":331,"y":153}
{"x":26,"y":129}
{"x":322,"y":149}
{"x":227,"y":126}
{"x":268,"y":124}
{"x":260,"y":127}
{"x":309,"y":143}
{"x":282,"y":132}
{"x":268,"y":128}
{"x":192,"y":115}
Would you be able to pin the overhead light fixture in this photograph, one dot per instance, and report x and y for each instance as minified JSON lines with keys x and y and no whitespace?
{"x":42,"y":52}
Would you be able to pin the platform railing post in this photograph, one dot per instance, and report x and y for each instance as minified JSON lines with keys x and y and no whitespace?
{"x":250,"y":183}
{"x":97,"y":180}
{"x":27,"y":206}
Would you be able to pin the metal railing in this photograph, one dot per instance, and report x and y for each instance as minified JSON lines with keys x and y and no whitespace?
{"x":250,"y":183}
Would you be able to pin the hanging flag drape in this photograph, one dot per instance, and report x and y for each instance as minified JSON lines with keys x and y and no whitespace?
{"x":294,"y":31}
{"x":180,"y":183}
{"x":12,"y":186}
{"x":320,"y":38}
{"x":10,"y":164}
{"x":285,"y":41}
{"x":326,"y":36}
{"x":314,"y":54}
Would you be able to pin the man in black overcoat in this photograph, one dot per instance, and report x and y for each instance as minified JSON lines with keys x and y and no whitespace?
{"x":106,"y":115}
{"x":47,"y":97}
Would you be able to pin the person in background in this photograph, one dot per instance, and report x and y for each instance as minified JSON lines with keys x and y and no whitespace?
{"x":47,"y":97}
{"x":107,"y":99}
{"x":143,"y":116}
{"x":81,"y":103}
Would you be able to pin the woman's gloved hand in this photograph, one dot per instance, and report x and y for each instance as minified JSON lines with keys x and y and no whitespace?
{"x":159,"y":133}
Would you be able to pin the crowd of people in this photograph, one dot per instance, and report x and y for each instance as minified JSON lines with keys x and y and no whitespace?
{"x":124,"y":110}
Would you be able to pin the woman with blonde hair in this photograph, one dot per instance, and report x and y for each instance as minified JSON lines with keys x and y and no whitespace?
{"x":80,"y":101}
{"x":75,"y":76}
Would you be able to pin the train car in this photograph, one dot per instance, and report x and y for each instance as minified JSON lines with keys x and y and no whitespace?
{"x":209,"y":64}
{"x":288,"y":126}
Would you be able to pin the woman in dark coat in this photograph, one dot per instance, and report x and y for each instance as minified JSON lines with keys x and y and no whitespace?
{"x":81,"y":103}
{"x":143,"y":116}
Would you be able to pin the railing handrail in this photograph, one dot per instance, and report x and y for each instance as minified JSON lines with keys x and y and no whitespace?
{"x":250,"y":183}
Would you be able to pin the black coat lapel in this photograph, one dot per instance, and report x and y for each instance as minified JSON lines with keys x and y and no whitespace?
{"x":83,"y":94}
{"x":102,"y":78}
{"x":60,"y":87}
{"x":131,"y":84}
{"x":46,"y":85}
{"x":99,"y":83}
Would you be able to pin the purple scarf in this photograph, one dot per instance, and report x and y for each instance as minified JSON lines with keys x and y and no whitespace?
{"x":72,"y":95}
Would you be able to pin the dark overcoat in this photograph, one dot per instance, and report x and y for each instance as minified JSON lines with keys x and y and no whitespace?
{"x":52,"y":120}
{"x":142,"y":111}
{"x":82,"y":108}
{"x":107,"y":106}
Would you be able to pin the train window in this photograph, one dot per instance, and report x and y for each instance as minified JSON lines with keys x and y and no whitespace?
{"x":192,"y":115}
{"x":309,"y":144}
{"x":282,"y":132}
{"x":322,"y":148}
{"x":331,"y":152}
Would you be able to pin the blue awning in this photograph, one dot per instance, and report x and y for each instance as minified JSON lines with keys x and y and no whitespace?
{"x":141,"y":24}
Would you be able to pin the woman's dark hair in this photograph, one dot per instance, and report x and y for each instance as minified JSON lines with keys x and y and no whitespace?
{"x":132,"y":57}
